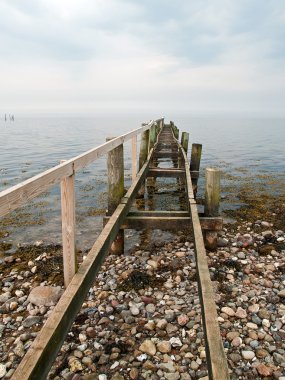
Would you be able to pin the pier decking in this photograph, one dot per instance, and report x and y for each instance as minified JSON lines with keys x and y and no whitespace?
{"x":161,"y":156}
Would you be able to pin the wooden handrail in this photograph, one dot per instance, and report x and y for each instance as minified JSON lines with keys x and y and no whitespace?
{"x":16,"y":196}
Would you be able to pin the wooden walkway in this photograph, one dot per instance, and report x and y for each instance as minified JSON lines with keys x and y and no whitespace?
{"x":161,"y":155}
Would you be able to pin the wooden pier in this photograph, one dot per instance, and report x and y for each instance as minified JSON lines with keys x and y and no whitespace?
{"x":161,"y":155}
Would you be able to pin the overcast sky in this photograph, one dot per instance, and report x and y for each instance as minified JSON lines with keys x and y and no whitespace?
{"x":155,"y":56}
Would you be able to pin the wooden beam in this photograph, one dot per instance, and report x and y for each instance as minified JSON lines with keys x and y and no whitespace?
{"x":172,"y":223}
{"x":36,"y":363}
{"x":216,"y":358}
{"x":160,"y":172}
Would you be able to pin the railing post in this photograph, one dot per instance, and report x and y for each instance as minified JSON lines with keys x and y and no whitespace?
{"x":134,"y":158}
{"x":150,"y":181}
{"x":115,"y":166}
{"x":212,"y":203}
{"x":185,"y":141}
{"x":195,"y":164}
{"x":68,"y":228}
{"x":142,"y":157}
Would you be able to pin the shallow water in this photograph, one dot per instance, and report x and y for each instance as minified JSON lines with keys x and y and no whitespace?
{"x":242,"y":148}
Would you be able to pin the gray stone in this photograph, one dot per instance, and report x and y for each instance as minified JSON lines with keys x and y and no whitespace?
{"x":45,"y":295}
{"x":248,"y":355}
{"x":31,"y":320}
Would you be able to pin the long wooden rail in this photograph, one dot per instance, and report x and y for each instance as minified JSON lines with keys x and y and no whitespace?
{"x":158,"y":141}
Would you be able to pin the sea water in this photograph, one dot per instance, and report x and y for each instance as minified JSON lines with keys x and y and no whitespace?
{"x":239,"y":146}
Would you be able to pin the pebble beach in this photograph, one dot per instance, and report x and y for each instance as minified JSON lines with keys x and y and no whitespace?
{"x":142,"y":317}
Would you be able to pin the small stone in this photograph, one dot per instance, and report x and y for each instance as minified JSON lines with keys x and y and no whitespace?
{"x":13,"y":305}
{"x":279,"y":359}
{"x":134,"y":373}
{"x":149,"y":366}
{"x":74,"y":364}
{"x":263,"y":370}
{"x":236,"y":342}
{"x":103,"y":359}
{"x":194,"y":365}
{"x":248,"y":355}
{"x":148,"y":347}
{"x":231,"y":335}
{"x":31,"y":320}
{"x":264,"y":314}
{"x":261,"y":353}
{"x":241,"y":313}
{"x":228,"y":310}
{"x":150,"y":308}
{"x":167,"y":367}
{"x":163,"y":346}
{"x":266,"y":323}
{"x":182,"y":319}
{"x":150,"y":326}
{"x":282,"y":293}
{"x":135,"y":310}
{"x":102,"y":377}
{"x":45,"y":295}
{"x":3,"y":370}
{"x":161,"y":324}
{"x":114,"y":365}
{"x":175,"y":342}
{"x":252,"y":326}
{"x":153,"y":264}
{"x":235,"y":357}
{"x":253,"y":308}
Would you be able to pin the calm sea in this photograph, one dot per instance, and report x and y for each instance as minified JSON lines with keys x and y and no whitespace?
{"x":241,"y":147}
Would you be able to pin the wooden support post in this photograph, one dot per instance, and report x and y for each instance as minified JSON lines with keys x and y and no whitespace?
{"x":185,"y":141}
{"x":142,"y":158}
{"x":115,"y":165}
{"x":152,"y":137}
{"x":212,"y":203}
{"x":195,"y":164}
{"x":150,"y":182}
{"x":177,"y":133}
{"x":68,"y":228}
{"x":134,"y":158}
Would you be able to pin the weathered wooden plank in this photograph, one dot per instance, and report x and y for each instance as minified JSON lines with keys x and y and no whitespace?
{"x":216,"y":359}
{"x":161,"y":172}
{"x":68,"y":228}
{"x":20,"y":194}
{"x":43,"y":351}
{"x":172,"y":223}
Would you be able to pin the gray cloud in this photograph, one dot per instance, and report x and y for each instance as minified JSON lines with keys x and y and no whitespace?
{"x":211,"y":56}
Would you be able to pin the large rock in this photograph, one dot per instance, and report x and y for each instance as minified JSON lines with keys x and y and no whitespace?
{"x":45,"y":295}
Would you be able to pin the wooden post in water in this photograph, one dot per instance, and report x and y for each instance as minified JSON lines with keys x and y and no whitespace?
{"x":142,"y":157}
{"x":212,"y":203}
{"x":115,"y":165}
{"x":68,"y":228}
{"x":195,"y":164}
{"x":150,"y":181}
{"x":134,"y":158}
{"x":185,"y":141}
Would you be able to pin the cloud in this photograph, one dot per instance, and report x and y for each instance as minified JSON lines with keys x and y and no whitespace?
{"x":221,"y":55}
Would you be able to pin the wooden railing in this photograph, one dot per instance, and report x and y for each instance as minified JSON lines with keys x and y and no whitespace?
{"x":64,"y":173}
